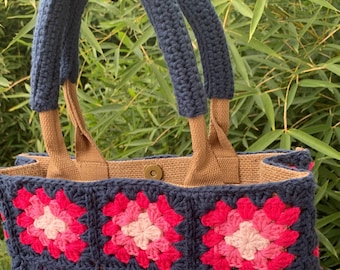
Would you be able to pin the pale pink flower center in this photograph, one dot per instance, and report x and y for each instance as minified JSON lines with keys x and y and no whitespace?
{"x":50,"y":224}
{"x":247,"y":240}
{"x":143,"y":231}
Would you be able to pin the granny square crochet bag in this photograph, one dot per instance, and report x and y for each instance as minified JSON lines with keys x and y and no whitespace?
{"x":216,"y":209}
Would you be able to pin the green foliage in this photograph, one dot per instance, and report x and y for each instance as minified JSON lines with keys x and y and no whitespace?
{"x":15,"y":131}
{"x":5,"y":260}
{"x":286,"y":63}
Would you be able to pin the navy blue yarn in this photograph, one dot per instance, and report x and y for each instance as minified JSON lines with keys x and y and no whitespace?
{"x":217,"y":70}
{"x":50,"y":42}
{"x":46,"y":50}
{"x":191,"y":203}
{"x":300,"y":160}
{"x":69,"y":57}
{"x":55,"y":51}
{"x":168,"y":22}
{"x":21,"y":160}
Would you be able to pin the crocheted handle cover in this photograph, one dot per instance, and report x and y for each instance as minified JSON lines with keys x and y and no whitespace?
{"x":56,"y":62}
{"x":124,"y":223}
{"x":55,"y":51}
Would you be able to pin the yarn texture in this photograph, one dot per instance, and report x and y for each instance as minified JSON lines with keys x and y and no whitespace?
{"x":142,"y":224}
{"x":147,"y":224}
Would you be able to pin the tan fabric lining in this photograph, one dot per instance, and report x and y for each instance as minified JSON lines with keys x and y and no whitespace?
{"x":252,"y":169}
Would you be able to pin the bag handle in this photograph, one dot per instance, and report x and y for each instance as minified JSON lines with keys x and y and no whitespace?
{"x":214,"y":160}
{"x":55,"y":59}
{"x":54,"y":62}
{"x":189,"y":92}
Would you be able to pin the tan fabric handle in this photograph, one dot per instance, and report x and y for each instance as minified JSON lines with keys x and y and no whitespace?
{"x":60,"y":164}
{"x":214,"y":160}
{"x":220,"y":144}
{"x":89,"y":164}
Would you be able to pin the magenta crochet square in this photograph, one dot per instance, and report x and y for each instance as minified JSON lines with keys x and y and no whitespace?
{"x":50,"y":223}
{"x":249,"y":237}
{"x":142,"y":230}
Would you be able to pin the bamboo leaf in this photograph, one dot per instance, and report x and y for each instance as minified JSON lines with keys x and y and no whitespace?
{"x":258,"y":12}
{"x":333,"y":60}
{"x":321,"y":192}
{"x":130,"y":72}
{"x":327,"y":220}
{"x":18,"y":106}
{"x":241,"y":7}
{"x":337,"y":133}
{"x":239,"y":62}
{"x":317,"y":83}
{"x":314,"y":143}
{"x":291,"y":94}
{"x":25,"y":30}
{"x":285,"y":142}
{"x":264,"y":141}
{"x":89,"y":37}
{"x":129,"y":44}
{"x":309,"y":23}
{"x":323,"y":239}
{"x":116,"y":62}
{"x":268,"y":108}
{"x":256,"y":44}
{"x":165,"y":90}
{"x":4,"y":82}
{"x":108,"y":108}
{"x":325,"y":4}
{"x":333,"y":68}
{"x":147,"y":34}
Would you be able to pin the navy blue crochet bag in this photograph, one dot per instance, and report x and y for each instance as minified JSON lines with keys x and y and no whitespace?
{"x":216,"y":209}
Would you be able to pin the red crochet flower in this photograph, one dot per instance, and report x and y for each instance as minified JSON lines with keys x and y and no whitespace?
{"x":248,"y":237}
{"x":50,"y":223}
{"x":141,"y":229}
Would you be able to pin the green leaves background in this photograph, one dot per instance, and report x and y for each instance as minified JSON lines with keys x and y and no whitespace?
{"x":286,"y":61}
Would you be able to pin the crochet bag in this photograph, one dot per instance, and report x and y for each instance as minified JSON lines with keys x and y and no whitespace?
{"x":216,"y":209}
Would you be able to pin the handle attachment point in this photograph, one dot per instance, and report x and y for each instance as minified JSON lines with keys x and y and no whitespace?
{"x":214,"y":161}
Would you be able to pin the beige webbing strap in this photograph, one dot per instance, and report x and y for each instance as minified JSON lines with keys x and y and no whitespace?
{"x":91,"y":163}
{"x":60,"y":164}
{"x":214,"y":160}
{"x":220,"y":144}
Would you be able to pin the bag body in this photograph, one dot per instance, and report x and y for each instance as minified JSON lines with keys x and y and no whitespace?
{"x":148,"y":224}
{"x":216,"y":209}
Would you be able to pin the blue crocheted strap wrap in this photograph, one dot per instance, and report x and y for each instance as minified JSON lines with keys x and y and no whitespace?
{"x":168,"y":21}
{"x":55,"y":51}
{"x":218,"y":74}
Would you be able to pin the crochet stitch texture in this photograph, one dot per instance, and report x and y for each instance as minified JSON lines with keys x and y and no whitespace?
{"x":50,"y":223}
{"x":54,"y":62}
{"x":248,"y":237}
{"x":118,"y":223}
{"x":146,"y":224}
